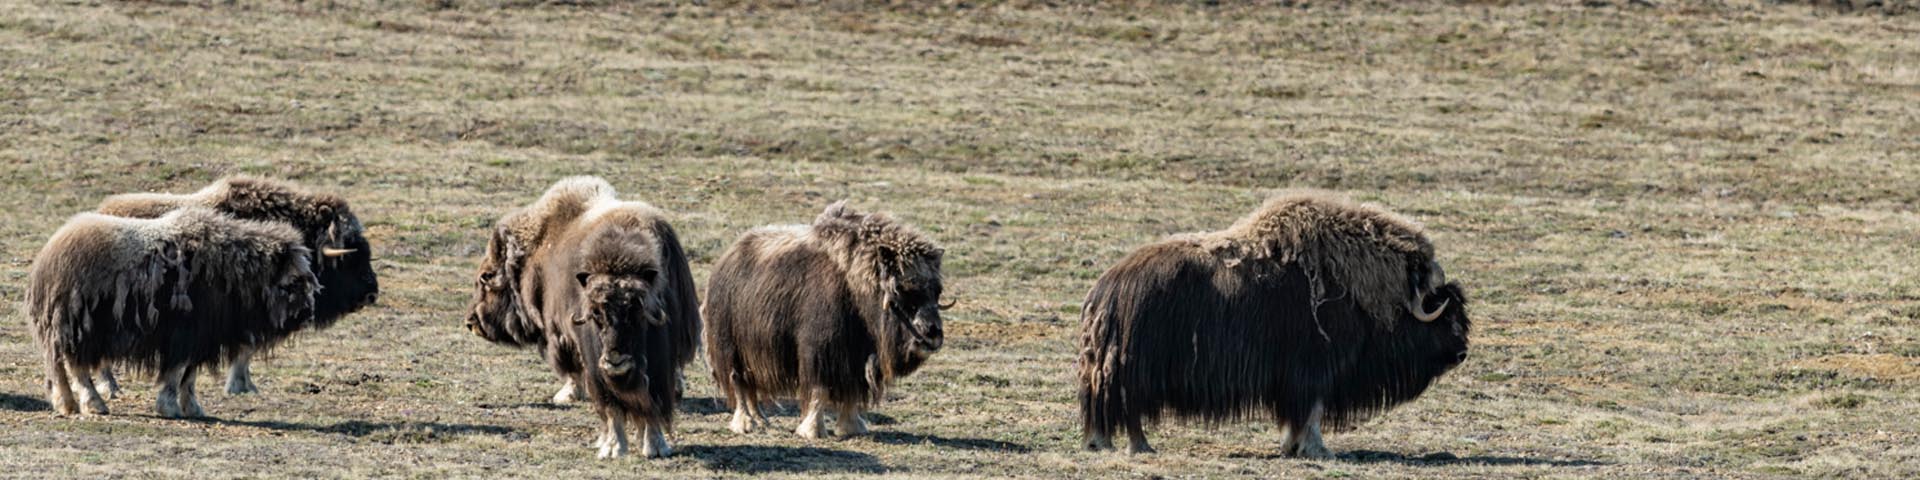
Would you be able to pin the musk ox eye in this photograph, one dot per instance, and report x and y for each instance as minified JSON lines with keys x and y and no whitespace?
{"x":582,"y":278}
{"x":649,"y":275}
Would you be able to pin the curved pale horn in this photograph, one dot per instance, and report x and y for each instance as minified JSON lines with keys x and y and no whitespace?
{"x":335,"y":252}
{"x":948,"y":305}
{"x":1417,"y":306}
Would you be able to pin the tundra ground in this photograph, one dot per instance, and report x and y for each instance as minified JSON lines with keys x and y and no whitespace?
{"x":1688,"y":230}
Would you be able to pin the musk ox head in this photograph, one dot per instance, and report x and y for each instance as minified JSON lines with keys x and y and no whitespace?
{"x":496,"y":314}
{"x":621,"y":294}
{"x":910,"y":292}
{"x":1438,"y":310}
{"x":294,"y":287}
{"x":894,"y":274}
{"x":345,"y":264}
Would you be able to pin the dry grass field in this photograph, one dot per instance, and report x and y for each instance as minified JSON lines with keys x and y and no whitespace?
{"x":1689,"y":230}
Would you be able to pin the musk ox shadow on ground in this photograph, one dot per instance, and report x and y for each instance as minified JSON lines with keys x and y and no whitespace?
{"x":389,"y":432}
{"x":898,"y":438}
{"x":760,"y":459}
{"x":23,"y":403}
{"x":1442,"y":459}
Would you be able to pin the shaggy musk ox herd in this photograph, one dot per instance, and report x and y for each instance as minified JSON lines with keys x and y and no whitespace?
{"x":1311,"y":312}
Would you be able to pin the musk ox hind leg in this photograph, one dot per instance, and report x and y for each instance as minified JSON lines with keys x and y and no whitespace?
{"x":746,"y":415}
{"x":83,"y":387}
{"x":615,"y":443}
{"x":1137,"y":438}
{"x":1097,"y":439}
{"x":108,"y":387}
{"x":59,"y":388}
{"x":240,"y":377}
{"x":850,"y":424}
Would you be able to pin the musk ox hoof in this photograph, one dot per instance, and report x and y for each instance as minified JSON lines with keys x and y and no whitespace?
{"x":96,"y":406}
{"x":565,"y":395}
{"x":241,"y":386}
{"x":655,"y":446}
{"x":741,"y":424}
{"x":1099,"y":444}
{"x":191,"y":409}
{"x":851,"y":426}
{"x":1313,"y":452}
{"x":809,"y":430}
{"x":166,"y":407}
{"x":612,"y":450}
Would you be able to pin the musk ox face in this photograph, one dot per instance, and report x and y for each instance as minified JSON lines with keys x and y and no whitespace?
{"x":621,"y":307}
{"x":295,"y":288}
{"x":1440,"y":344}
{"x":911,"y":292}
{"x":495,"y":306}
{"x":346,"y":270}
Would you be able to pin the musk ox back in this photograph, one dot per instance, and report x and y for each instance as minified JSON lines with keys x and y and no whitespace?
{"x":606,"y":292}
{"x":1312,"y":310}
{"x":167,"y":295}
{"x":341,"y":257}
{"x":830,"y":313}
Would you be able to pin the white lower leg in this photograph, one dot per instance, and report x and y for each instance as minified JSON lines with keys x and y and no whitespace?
{"x":59,"y":390}
{"x":810,"y":423}
{"x":742,"y":417}
{"x":565,"y":395}
{"x":189,"y":399}
{"x":166,"y":404}
{"x":240,"y":377}
{"x":850,"y":423}
{"x":654,"y":443}
{"x":83,"y":387}
{"x":1306,"y":438}
{"x":616,"y":444}
{"x":108,"y":387}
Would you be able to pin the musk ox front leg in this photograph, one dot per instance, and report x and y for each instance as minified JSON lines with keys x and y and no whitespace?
{"x":108,"y":387}
{"x":240,"y":377}
{"x":1303,"y":436}
{"x":566,"y":393}
{"x":615,"y":443}
{"x":176,"y":398}
{"x":654,"y":443}
{"x":746,"y":416}
{"x":811,"y":423}
{"x":1137,"y":438}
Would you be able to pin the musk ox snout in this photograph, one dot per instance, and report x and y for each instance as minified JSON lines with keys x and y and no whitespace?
{"x":616,"y":364}
{"x":931,"y":335}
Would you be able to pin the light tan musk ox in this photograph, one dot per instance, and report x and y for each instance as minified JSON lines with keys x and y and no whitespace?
{"x":1310,"y":311}
{"x":829,"y":313}
{"x":168,"y":295}
{"x":342,"y":258}
{"x":602,"y":287}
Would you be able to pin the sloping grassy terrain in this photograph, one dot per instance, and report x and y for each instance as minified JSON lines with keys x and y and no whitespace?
{"x":1689,"y":231}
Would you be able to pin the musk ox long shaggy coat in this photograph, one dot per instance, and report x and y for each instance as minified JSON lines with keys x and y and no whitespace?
{"x":830,"y":313}
{"x":1312,"y":310}
{"x":342,"y":258}
{"x":167,"y":295}
{"x":602,"y":286}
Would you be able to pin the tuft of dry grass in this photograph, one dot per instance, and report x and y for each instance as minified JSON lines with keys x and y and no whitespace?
{"x":1687,"y":229}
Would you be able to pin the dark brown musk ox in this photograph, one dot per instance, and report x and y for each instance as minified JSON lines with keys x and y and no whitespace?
{"x":168,"y":295}
{"x":1310,"y":311}
{"x":829,"y":313}
{"x":341,"y":256}
{"x":603,"y":288}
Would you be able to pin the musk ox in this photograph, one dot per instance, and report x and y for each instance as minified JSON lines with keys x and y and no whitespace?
{"x":828,"y":313}
{"x":602,"y":286}
{"x":167,"y":295}
{"x":1311,"y":311}
{"x":329,"y":229}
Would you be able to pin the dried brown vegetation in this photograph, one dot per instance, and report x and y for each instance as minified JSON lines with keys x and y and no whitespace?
{"x":1689,"y":230}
